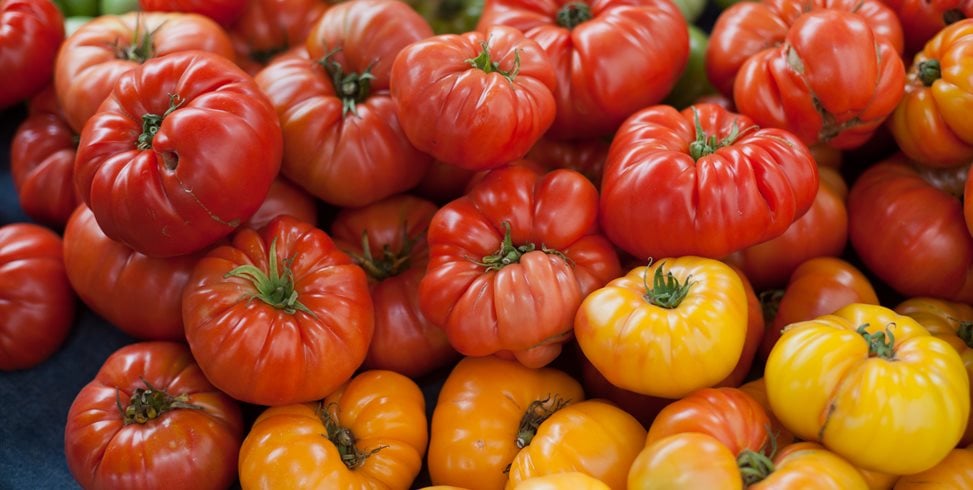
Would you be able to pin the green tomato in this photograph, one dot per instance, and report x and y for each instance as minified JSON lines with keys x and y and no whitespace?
{"x":118,"y":7}
{"x":72,"y":24}
{"x":75,"y":8}
{"x":693,"y":83}
{"x":691,"y":9}
{"x":449,"y":16}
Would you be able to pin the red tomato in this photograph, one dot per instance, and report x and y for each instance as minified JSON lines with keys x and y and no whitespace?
{"x":30,"y":33}
{"x":269,"y":28}
{"x":443,"y":182}
{"x":152,"y":164}
{"x":92,"y":59}
{"x":284,"y":197}
{"x":36,"y":301}
{"x":42,"y":162}
{"x":388,"y":239}
{"x":756,"y":326}
{"x":224,"y":12}
{"x":703,"y":181}
{"x":612,"y":57}
{"x":150,"y":419}
{"x":278,"y":316}
{"x":968,"y":200}
{"x":922,"y":19}
{"x":510,"y":262}
{"x":493,"y":88}
{"x":584,"y":155}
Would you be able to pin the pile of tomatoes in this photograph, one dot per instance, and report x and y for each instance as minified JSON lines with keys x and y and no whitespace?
{"x":636,"y":253}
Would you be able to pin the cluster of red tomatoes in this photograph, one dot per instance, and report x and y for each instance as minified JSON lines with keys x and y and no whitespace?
{"x":642,"y":255}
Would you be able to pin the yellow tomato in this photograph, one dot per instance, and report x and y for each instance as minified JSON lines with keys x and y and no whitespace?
{"x":954,"y":471}
{"x":871,"y":385}
{"x":563,"y":481}
{"x":809,"y":466}
{"x":667,"y":329}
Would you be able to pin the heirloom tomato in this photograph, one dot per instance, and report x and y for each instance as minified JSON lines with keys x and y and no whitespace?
{"x":182,"y":152}
{"x":279,"y":315}
{"x":954,"y":471}
{"x":611,"y":57}
{"x":269,"y":28}
{"x":150,"y":419}
{"x":370,"y":433}
{"x":931,"y":124}
{"x":643,"y":407}
{"x":923,"y":19}
{"x":224,"y":12}
{"x":285,"y":197}
{"x":388,"y":240}
{"x":476,"y":100}
{"x":906,"y":223}
{"x":702,"y":181}
{"x":37,"y":304}
{"x":443,"y":182}
{"x":91,"y":60}
{"x":667,"y":329}
{"x":487,"y":411}
{"x":31,"y":31}
{"x":693,"y":82}
{"x":574,"y":480}
{"x":757,"y":389}
{"x":871,"y":385}
{"x":510,"y":262}
{"x":756,"y":325}
{"x":968,"y":200}
{"x":583,"y":155}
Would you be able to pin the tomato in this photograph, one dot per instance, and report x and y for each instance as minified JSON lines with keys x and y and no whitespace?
{"x":30,"y":33}
{"x":37,"y":304}
{"x":284,"y":197}
{"x":494,"y":88}
{"x":949,"y":321}
{"x":443,"y":182}
{"x":150,"y":419}
{"x":906,"y":223}
{"x":75,"y":8}
{"x":510,"y":262}
{"x":757,"y":389}
{"x":923,"y":19}
{"x":388,"y":239}
{"x":693,"y":83}
{"x":42,"y":162}
{"x":369,"y":433}
{"x":342,"y":140}
{"x":583,"y":155}
{"x":449,"y":16}
{"x":685,"y":315}
{"x":671,"y":179}
{"x":556,"y":481}
{"x":224,"y":12}
{"x":152,"y":163}
{"x":117,"y":7}
{"x":268,"y":28}
{"x":91,"y":60}
{"x":822,"y":231}
{"x":643,"y":407}
{"x":819,"y":286}
{"x":968,"y":200}
{"x":871,"y":385}
{"x":930,"y":124}
{"x":287,"y":282}
{"x":954,"y":471}
{"x":487,"y":410}
{"x":139,"y":295}
{"x":756,"y":325}
{"x":611,"y":57}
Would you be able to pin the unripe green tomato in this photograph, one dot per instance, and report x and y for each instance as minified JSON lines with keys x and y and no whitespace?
{"x":691,"y":9}
{"x":76,"y":8}
{"x":118,"y":7}
{"x":693,"y":83}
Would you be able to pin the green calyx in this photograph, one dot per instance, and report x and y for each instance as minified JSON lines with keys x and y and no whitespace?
{"x":391,"y":263}
{"x":276,"y":286}
{"x":141,"y":49}
{"x":666,"y":291}
{"x":880,"y":344}
{"x":508,"y":253}
{"x":537,"y":412}
{"x":929,"y":71}
{"x":483,"y":62}
{"x":352,"y":88}
{"x":342,"y":438}
{"x":705,"y":144}
{"x":572,"y":14}
{"x":152,"y":122}
{"x":150,"y":403}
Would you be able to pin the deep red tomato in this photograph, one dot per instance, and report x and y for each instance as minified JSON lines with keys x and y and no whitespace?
{"x":182,"y":152}
{"x":511,"y":261}
{"x":388,"y":239}
{"x":968,"y":200}
{"x":42,"y":162}
{"x":31,"y":32}
{"x":342,"y":139}
{"x":922,"y":19}
{"x":224,"y":12}
{"x":584,"y":155}
{"x":703,"y":181}
{"x":278,"y":316}
{"x":150,"y":419}
{"x":443,"y":182}
{"x":269,"y":28}
{"x":285,"y":197}
{"x":36,"y":301}
{"x":92,"y":59}
{"x":906,"y":223}
{"x":494,"y":88}
{"x":612,"y":57}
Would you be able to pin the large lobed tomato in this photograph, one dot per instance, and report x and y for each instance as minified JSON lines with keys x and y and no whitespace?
{"x":150,"y":419}
{"x":31,"y":32}
{"x":269,"y":28}
{"x":702,"y":181}
{"x":182,"y":152}
{"x":224,"y":12}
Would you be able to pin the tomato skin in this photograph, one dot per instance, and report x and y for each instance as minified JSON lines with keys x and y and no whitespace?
{"x":42,"y":162}
{"x":173,"y":193}
{"x":584,"y":155}
{"x":657,"y":200}
{"x":88,"y":66}
{"x":910,"y":403}
{"x":524,"y":308}
{"x":224,"y":12}
{"x":31,"y":31}
{"x":404,"y":340}
{"x":922,"y":20}
{"x":756,"y":327}
{"x":954,"y":471}
{"x":433,"y":80}
{"x":289,"y":445}
{"x":626,"y":56}
{"x":284,"y":197}
{"x":181,"y":448}
{"x":268,"y":28}
{"x":37,"y":304}
{"x":730,"y":415}
{"x":757,"y":389}
{"x":226,"y":322}
{"x":571,"y":479}
{"x":907,"y":226}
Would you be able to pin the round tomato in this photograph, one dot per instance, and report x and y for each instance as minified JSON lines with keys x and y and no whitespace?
{"x":284,"y":197}
{"x":574,"y":480}
{"x":923,"y":19}
{"x":224,"y":12}
{"x":268,"y":28}
{"x":31,"y":31}
{"x":37,"y":303}
{"x":150,"y":419}
{"x":954,"y":471}
{"x":585,"y":155}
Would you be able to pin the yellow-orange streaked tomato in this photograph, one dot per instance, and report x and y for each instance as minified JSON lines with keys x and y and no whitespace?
{"x":488,"y":410}
{"x":370,"y":433}
{"x":954,"y":471}
{"x":730,"y":415}
{"x":667,"y":329}
{"x":871,"y":385}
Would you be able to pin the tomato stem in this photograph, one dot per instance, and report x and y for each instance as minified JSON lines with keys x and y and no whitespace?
{"x":537,"y":412}
{"x":276,"y":287}
{"x":149,"y":403}
{"x":352,"y":88}
{"x":391,"y":263}
{"x":342,"y":437}
{"x":770,"y":304}
{"x":483,"y":62}
{"x":880,"y":344}
{"x":152,"y":122}
{"x":754,"y":466}
{"x":706,"y":144}
{"x":929,"y":71}
{"x":666,"y":291}
{"x":965,"y":333}
{"x":510,"y":254}
{"x":141,"y":49}
{"x":572,"y":14}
